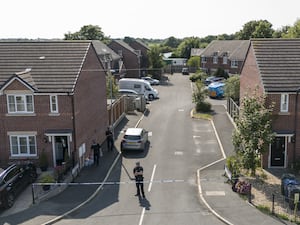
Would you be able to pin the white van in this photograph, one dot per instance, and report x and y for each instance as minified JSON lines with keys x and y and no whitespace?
{"x":140,"y":86}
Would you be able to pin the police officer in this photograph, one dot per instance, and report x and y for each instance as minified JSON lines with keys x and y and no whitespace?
{"x":139,"y":179}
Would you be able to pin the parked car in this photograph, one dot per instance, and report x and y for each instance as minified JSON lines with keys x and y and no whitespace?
{"x":151,"y":80}
{"x":185,"y":71}
{"x":13,"y":181}
{"x":212,"y":79}
{"x":134,"y":139}
{"x":216,"y":90}
{"x":128,"y":92}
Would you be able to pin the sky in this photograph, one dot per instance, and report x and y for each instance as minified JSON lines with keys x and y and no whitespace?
{"x":157,"y":19}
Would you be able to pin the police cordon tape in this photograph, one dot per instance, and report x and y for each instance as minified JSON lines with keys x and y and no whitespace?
{"x":111,"y":182}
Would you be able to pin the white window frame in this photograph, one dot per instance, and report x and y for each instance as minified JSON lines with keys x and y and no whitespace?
{"x":53,"y":104}
{"x":28,"y":148}
{"x":203,"y":59}
{"x":234,"y":63}
{"x":284,"y":102}
{"x":14,"y":107}
{"x":225,"y":59}
{"x":215,"y":59}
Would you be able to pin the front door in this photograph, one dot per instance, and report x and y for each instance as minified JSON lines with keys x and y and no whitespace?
{"x":278,"y":152}
{"x":61,"y":149}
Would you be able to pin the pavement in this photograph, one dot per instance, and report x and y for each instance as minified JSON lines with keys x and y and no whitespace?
{"x":214,"y":192}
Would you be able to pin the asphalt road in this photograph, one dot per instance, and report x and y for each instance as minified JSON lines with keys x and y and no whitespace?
{"x":179,"y":146}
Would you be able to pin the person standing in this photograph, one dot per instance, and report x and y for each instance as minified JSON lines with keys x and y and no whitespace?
{"x":139,"y":179}
{"x":109,"y":139}
{"x":96,"y":148}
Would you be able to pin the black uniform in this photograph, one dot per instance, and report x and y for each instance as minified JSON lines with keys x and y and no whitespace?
{"x":109,"y":140}
{"x":139,"y":178}
{"x":96,"y":148}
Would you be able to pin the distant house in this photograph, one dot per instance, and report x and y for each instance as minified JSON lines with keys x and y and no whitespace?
{"x":273,"y":67}
{"x":53,"y":100}
{"x":110,"y":60}
{"x":130,"y":57}
{"x":228,"y":55}
{"x":142,"y":50}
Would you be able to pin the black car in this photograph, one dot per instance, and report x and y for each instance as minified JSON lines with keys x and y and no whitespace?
{"x":13,"y":181}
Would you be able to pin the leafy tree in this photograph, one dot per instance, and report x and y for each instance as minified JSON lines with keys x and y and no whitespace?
{"x":172,"y":42}
{"x":111,"y":87}
{"x":293,"y":31}
{"x":232,"y":88}
{"x":256,"y":29}
{"x":194,"y":62}
{"x":279,"y":33}
{"x":253,"y":132}
{"x":155,"y":57}
{"x":87,"y":32}
{"x":184,"y":49}
{"x":199,"y":96}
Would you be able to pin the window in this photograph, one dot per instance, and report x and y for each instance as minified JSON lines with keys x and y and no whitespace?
{"x":234,"y":63}
{"x":53,"y":104}
{"x":225,"y":59}
{"x":215,"y":59}
{"x":203,"y":59}
{"x":23,"y":145}
{"x":284,"y":103}
{"x":20,"y":103}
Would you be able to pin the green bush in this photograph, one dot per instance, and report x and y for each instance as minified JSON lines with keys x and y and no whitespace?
{"x":203,"y":107}
{"x":233,"y":164}
{"x":195,"y":77}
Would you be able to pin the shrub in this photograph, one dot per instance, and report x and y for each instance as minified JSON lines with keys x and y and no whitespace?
{"x":195,"y":77}
{"x":203,"y":107}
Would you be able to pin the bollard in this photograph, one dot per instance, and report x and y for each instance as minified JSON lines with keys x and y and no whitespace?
{"x":249,"y":194}
{"x":32,"y":191}
{"x":273,"y":203}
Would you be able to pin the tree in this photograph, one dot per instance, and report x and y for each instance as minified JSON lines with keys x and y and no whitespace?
{"x":111,"y":87}
{"x":87,"y":32}
{"x":232,"y":88}
{"x":172,"y":42}
{"x":293,"y":31}
{"x":194,"y":62}
{"x":184,"y":49}
{"x":256,"y":29}
{"x":253,"y":132}
{"x":199,"y":96}
{"x":155,"y":57}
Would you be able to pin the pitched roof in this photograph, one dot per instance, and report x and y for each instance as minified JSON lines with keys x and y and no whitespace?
{"x":278,"y":62}
{"x":54,"y":65}
{"x":102,"y":49}
{"x":235,"y":49}
{"x":125,"y":45}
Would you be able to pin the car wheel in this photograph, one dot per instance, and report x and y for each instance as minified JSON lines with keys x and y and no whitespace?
{"x":151,"y":97}
{"x":10,"y":200}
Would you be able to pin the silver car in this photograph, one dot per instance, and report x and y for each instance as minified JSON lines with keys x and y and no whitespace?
{"x":134,"y":139}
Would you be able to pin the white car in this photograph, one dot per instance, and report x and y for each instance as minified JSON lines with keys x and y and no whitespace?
{"x":151,"y":80}
{"x":134,"y":139}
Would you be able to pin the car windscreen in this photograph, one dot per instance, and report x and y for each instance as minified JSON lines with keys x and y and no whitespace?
{"x":132,"y":137}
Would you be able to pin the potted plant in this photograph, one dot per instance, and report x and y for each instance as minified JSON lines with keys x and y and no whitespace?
{"x":43,"y":161}
{"x":47,"y":178}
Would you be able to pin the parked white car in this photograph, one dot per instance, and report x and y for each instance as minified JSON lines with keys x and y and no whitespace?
{"x":134,"y":139}
{"x":151,"y":80}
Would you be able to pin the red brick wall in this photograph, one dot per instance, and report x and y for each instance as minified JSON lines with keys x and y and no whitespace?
{"x":90,"y":103}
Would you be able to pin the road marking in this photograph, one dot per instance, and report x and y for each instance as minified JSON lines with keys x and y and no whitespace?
{"x":215,"y":193}
{"x":142,"y":216}
{"x":196,"y":136}
{"x":180,"y":110}
{"x":151,"y":179}
{"x":178,"y":153}
{"x":150,"y":134}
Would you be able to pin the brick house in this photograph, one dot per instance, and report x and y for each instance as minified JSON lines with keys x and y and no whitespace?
{"x":109,"y":59}
{"x":130,"y":57}
{"x":142,"y":49}
{"x":228,"y":55}
{"x":53,"y":100}
{"x":273,"y":67}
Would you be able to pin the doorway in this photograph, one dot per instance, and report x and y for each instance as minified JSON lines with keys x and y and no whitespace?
{"x":61,"y":146}
{"x":278,"y":149}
